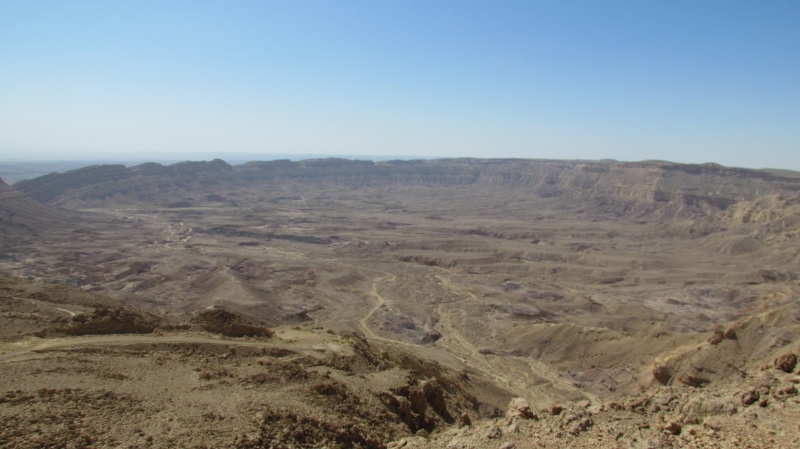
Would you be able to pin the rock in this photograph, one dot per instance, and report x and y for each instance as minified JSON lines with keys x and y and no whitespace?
{"x":464,"y":420}
{"x":507,"y":445}
{"x":730,"y":334}
{"x":434,"y":395}
{"x":493,"y":433}
{"x":419,"y":403}
{"x":519,"y":408}
{"x":230,"y":324}
{"x":698,"y":408}
{"x":692,"y":380}
{"x":636,"y":403}
{"x":783,"y":391}
{"x":663,"y":374}
{"x":673,"y":428}
{"x":786,"y":362}
{"x":750,"y":397}
{"x":397,"y":444}
{"x":513,"y":427}
{"x":403,"y":408}
{"x":431,"y":337}
{"x":716,"y":338}
{"x":595,"y":409}
{"x":556,"y":410}
{"x":579,"y":425}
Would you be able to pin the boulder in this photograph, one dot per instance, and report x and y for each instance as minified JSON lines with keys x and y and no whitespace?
{"x":786,"y":362}
{"x":663,"y":374}
{"x":519,"y":408}
{"x":434,"y":395}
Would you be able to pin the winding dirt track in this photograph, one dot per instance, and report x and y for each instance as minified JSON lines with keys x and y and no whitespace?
{"x":511,"y":376}
{"x":36,"y":350}
{"x":380,"y":301}
{"x":515,"y":377}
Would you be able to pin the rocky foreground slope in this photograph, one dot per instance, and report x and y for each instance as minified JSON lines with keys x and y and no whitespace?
{"x":132,"y":380}
{"x":82,"y":370}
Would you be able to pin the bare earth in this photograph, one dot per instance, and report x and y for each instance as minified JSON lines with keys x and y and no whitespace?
{"x":648,"y":303}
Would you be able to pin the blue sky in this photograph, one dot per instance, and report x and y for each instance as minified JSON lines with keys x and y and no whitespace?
{"x":686,"y":81}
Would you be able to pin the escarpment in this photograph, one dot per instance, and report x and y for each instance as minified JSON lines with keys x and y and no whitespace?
{"x":643,"y":189}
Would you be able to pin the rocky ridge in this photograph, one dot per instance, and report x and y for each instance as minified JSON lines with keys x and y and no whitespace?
{"x":652,"y":189}
{"x":761,"y":412}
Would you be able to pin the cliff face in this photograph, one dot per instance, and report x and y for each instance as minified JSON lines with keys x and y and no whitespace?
{"x":646,"y":189}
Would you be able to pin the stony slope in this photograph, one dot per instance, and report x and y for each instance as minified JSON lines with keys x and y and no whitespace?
{"x":83,"y":370}
{"x":759,"y":413}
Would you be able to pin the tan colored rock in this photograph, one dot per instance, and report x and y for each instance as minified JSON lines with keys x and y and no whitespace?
{"x":786,"y":362}
{"x":579,"y":425}
{"x":716,"y":338}
{"x":750,"y":397}
{"x":464,"y":420}
{"x":783,"y":391}
{"x":519,"y":408}
{"x":493,"y":433}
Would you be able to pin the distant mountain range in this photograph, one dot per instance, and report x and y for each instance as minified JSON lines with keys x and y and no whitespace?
{"x":654,"y":189}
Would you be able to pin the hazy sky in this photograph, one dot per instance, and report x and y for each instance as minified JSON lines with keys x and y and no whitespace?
{"x":687,"y":81}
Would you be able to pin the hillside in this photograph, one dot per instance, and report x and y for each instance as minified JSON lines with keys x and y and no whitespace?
{"x":23,"y":217}
{"x":89,"y":371}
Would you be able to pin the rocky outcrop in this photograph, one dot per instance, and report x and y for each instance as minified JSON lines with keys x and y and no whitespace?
{"x":786,"y":362}
{"x":519,"y":409}
{"x":105,"y":321}
{"x":414,"y":404}
{"x":760,"y":412}
{"x":221,"y":321}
